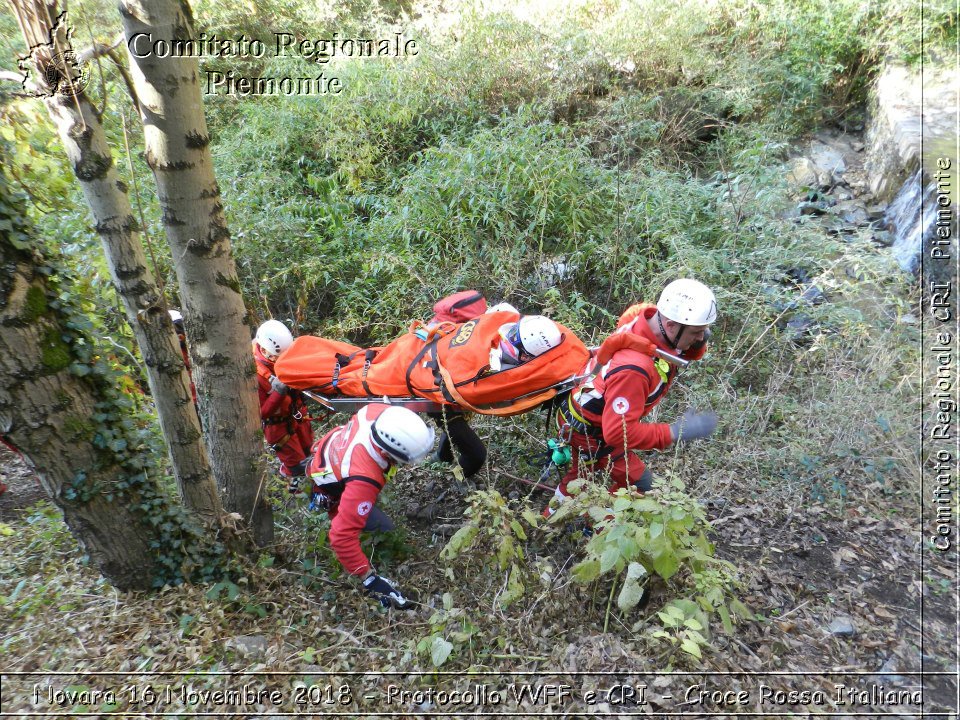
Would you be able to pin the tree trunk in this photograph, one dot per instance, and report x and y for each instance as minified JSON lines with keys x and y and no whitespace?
{"x":176,"y":139}
{"x":82,"y":135}
{"x":67,"y":417}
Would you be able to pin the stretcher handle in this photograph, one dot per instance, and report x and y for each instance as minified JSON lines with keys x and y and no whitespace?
{"x":669,"y":357}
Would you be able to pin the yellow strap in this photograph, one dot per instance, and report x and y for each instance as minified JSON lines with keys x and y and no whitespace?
{"x":663,"y":368}
{"x":577,"y":416}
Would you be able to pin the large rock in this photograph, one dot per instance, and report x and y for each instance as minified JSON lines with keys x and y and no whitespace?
{"x":842,"y":626}
{"x":803,"y":173}
{"x":827,"y":157}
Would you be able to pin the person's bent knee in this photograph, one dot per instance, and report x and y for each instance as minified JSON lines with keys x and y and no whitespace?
{"x":378,"y":521}
{"x":471,"y":462}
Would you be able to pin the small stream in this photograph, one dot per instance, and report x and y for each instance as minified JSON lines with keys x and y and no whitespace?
{"x":911,"y":230}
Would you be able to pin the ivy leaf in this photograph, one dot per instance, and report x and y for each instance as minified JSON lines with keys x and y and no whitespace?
{"x":740,"y":610}
{"x":621,"y":503}
{"x":632,"y":592}
{"x":689,"y":646}
{"x":461,"y":538}
{"x":609,"y":558}
{"x":515,"y":589}
{"x":440,"y":650}
{"x":587,"y":570}
{"x":725,"y":619}
{"x":666,"y":564}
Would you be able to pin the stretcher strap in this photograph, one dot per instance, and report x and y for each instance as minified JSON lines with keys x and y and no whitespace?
{"x":520,"y":406}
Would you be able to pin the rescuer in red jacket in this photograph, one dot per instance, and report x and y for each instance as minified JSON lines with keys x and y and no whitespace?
{"x":283,"y":414}
{"x":349,"y":467}
{"x":602,"y":416}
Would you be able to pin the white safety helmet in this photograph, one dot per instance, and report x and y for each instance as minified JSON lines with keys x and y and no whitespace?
{"x":688,"y":302}
{"x":503,"y":307}
{"x":538,"y":334}
{"x":273,"y":337}
{"x":175,"y":316}
{"x":402,"y":435}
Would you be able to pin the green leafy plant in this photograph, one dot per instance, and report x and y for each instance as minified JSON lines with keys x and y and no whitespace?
{"x":494,"y":528}
{"x":451,"y":631}
{"x":663,"y":534}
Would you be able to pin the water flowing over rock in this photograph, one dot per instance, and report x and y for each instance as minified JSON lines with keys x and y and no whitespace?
{"x":911,"y":136}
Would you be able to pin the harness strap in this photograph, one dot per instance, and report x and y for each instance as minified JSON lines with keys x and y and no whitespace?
{"x":362,"y":478}
{"x":275,"y":421}
{"x":367,"y":359}
{"x":431,"y":344}
{"x":281,"y":442}
{"x":567,"y":415}
{"x":527,"y":403}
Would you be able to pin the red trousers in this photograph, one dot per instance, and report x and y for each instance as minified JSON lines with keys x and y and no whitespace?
{"x":297,"y":447}
{"x":592,"y":459}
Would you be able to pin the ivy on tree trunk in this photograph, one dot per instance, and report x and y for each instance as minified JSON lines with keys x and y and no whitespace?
{"x":62,"y":407}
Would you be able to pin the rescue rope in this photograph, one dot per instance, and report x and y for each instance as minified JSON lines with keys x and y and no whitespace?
{"x":456,"y":471}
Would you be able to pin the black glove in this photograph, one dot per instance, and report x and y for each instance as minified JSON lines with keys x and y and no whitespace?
{"x":645,"y":483}
{"x":277,"y":386}
{"x":293,"y":487}
{"x":693,"y":426}
{"x":383,"y":590}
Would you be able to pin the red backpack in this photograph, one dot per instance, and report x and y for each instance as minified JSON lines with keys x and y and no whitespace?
{"x":459,"y":307}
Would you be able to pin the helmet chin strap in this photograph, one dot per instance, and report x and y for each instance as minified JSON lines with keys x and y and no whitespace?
{"x":663,"y":331}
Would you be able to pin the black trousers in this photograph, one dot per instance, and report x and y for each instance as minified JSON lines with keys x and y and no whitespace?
{"x":458,"y":434}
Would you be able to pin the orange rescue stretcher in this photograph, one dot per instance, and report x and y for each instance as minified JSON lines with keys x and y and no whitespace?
{"x":432,"y":368}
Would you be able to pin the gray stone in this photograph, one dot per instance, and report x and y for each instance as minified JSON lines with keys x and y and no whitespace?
{"x":851,"y":211}
{"x":814,"y":295}
{"x":799,"y":329}
{"x":803,"y":173}
{"x":249,"y":645}
{"x":883,"y":237}
{"x":812,"y":208}
{"x":842,"y":626}
{"x":890,"y":666}
{"x":827,"y":158}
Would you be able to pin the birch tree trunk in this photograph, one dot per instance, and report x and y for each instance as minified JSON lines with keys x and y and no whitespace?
{"x":81,"y":132}
{"x":60,"y":421}
{"x":176,"y":140}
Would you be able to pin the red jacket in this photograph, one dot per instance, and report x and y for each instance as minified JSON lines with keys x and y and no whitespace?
{"x":345,"y":462}
{"x":628,"y":387}
{"x":273,"y":405}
